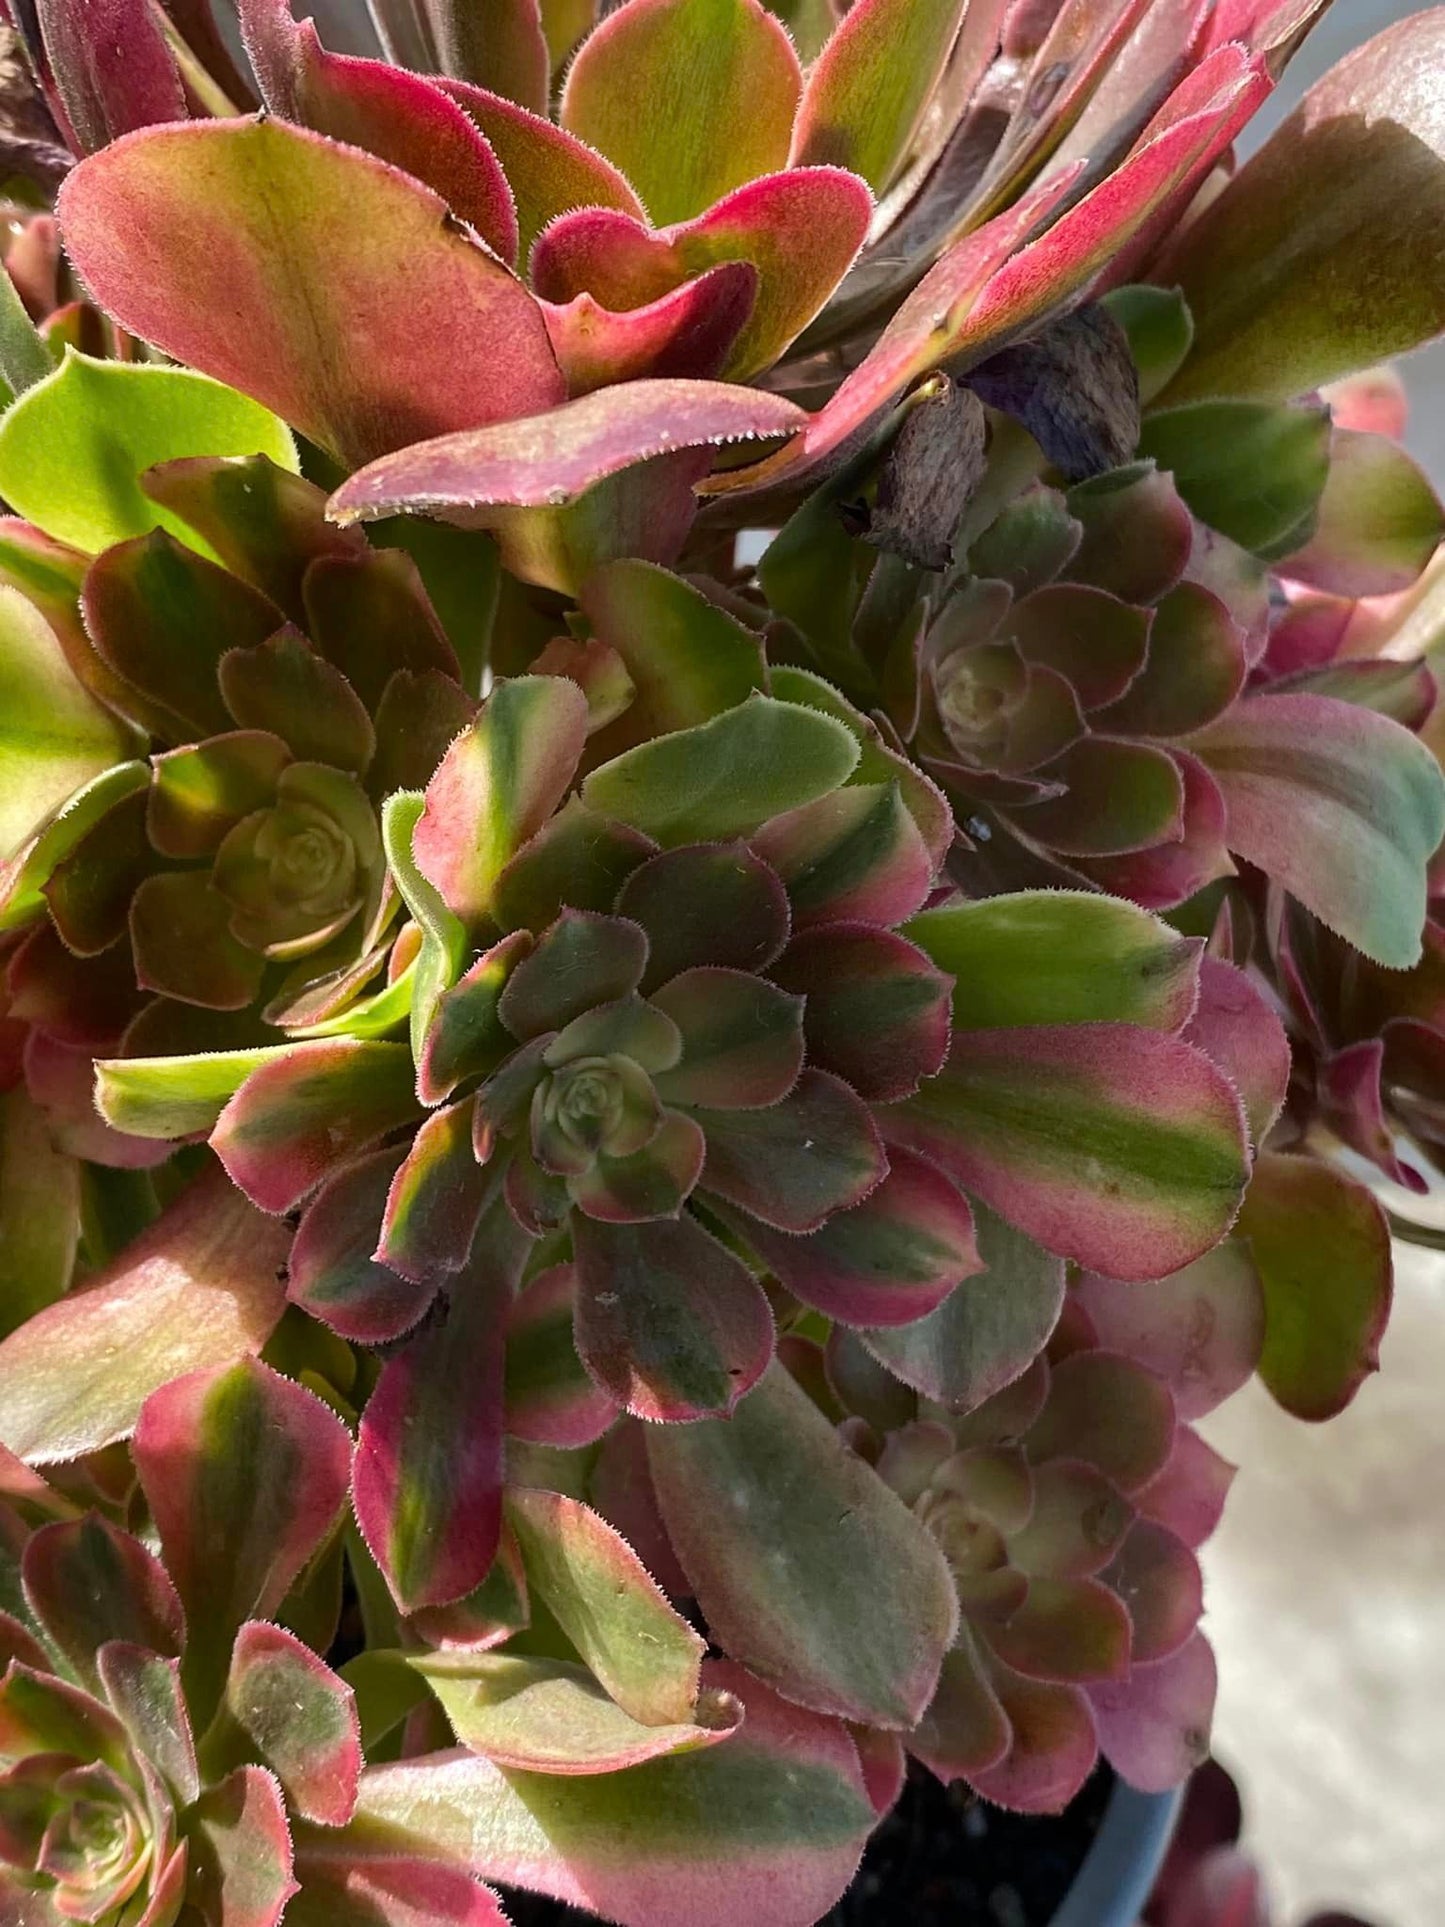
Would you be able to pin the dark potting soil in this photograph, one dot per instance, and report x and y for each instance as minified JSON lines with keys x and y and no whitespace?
{"x":942,"y":1858}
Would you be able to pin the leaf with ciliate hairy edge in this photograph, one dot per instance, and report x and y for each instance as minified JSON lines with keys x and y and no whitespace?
{"x":742,"y":1039}
{"x":111,"y":66}
{"x":1059,"y":957}
{"x":1196,"y":667}
{"x":1052,"y":1743}
{"x":794,"y":1164}
{"x":87,"y":1583}
{"x":1340,"y":806}
{"x":1119,"y":1147}
{"x":730,"y":73}
{"x":1347,"y":195}
{"x":550,"y":1716}
{"x":1379,"y":521}
{"x":176,"y":231}
{"x":1109,"y":1412}
{"x":198,"y":1288}
{"x":240,"y":1849}
{"x":1154,"y":1726}
{"x":54,"y":736}
{"x":174,"y":1097}
{"x":841,"y":1551}
{"x":710,"y":904}
{"x":428,"y":1478}
{"x":687,"y":331}
{"x":146,"y":1693}
{"x":299,"y":1115}
{"x":1075,"y":389}
{"x":507,"y":50}
{"x":1322,"y":1249}
{"x":40,"y":1201}
{"x":301,"y":1719}
{"x":497,"y":785}
{"x":443,"y":945}
{"x":1236,"y":1025}
{"x":74,"y":447}
{"x":985,"y":1333}
{"x":400,"y":117}
{"x":668,"y":1322}
{"x":551,"y":1400}
{"x":771,"y":1825}
{"x":397,"y":1892}
{"x":245,"y":1474}
{"x":725,"y":777}
{"x":25,"y":875}
{"x":868,"y":90}
{"x":334,"y":1274}
{"x":436,"y":1199}
{"x":549,"y":460}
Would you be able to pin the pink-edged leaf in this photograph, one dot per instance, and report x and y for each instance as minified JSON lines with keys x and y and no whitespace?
{"x":1379,"y":521}
{"x":706,"y":904}
{"x":1338,"y":804}
{"x":216,"y":241}
{"x":869,"y":88}
{"x":1201,"y":1329}
{"x":301,"y":1719}
{"x":645,"y":1656}
{"x":428,"y":1480}
{"x":1119,"y":1147}
{"x":333,"y":1273}
{"x":686,"y":332}
{"x":1052,"y":1744}
{"x":146,"y":1693}
{"x":776,"y":1474}
{"x":548,"y":460}
{"x":729,"y":72}
{"x":892,"y":1259}
{"x":876,"y":1009}
{"x":551,"y":1400}
{"x":1109,"y":1412}
{"x":1118,"y":797}
{"x":298,"y":1117}
{"x":41,"y":1713}
{"x":240,"y":1845}
{"x":1195,"y":668}
{"x":551,"y":1716}
{"x":1138,"y":536}
{"x":399,"y":117}
{"x":548,"y":170}
{"x":246,"y":1474}
{"x":983,"y":1336}
{"x":673,"y":1843}
{"x":858,"y":853}
{"x":1234,"y":1024}
{"x":1351,"y":1096}
{"x":111,"y":66}
{"x":964,"y":1730}
{"x":793,"y":1165}
{"x":742,"y":1039}
{"x":1188,"y":1494}
{"x":1154,"y":1726}
{"x":1077,"y":1524}
{"x":1166,"y":874}
{"x":497,"y":785}
{"x":1322,"y":1249}
{"x":1158,"y":1578}
{"x":199,"y":1288}
{"x":1066,"y":1631}
{"x":396,"y":1892}
{"x":436,"y":1200}
{"x":669,"y":1323}
{"x":86,"y":1583}
{"x":465,"y":1036}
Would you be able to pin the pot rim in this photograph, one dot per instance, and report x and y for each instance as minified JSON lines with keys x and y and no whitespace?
{"x":1119,"y":1870}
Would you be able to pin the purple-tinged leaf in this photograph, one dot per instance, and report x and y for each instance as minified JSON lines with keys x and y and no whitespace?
{"x":1095,"y":642}
{"x":240,"y":1846}
{"x":1158,"y":1578}
{"x":333,"y":1274}
{"x":964,"y":1729}
{"x":298,"y":1116}
{"x":1167,"y":874}
{"x":669,"y":1323}
{"x":732,"y":77}
{"x":551,"y":1400}
{"x":199,"y":1288}
{"x":465,"y":1037}
{"x":1065,"y":1630}
{"x":1200,"y":1330}
{"x":674,"y":1842}
{"x":428,"y":1478}
{"x":548,"y":460}
{"x":1235,"y":1025}
{"x":1154,"y":1727}
{"x":1121,"y":1148}
{"x":742,"y":1039}
{"x":576,"y":859}
{"x":706,"y":904}
{"x":87,"y":1583}
{"x":112,"y":67}
{"x":180,"y":934}
{"x":645,"y":1655}
{"x":858,"y":853}
{"x":1053,"y":1744}
{"x":1378,"y":525}
{"x":876,"y":1009}
{"x":1322,"y":1249}
{"x":983,"y":1335}
{"x":1109,"y":1412}
{"x":201,"y":792}
{"x":245,"y":1474}
{"x":285,"y":687}
{"x":889,"y":1261}
{"x":793,"y":1165}
{"x":300,"y":1718}
{"x":145,"y":1692}
{"x":551,"y":1716}
{"x":1137,"y":534}
{"x":1339,"y":805}
{"x":1188,"y":1495}
{"x":686,"y":332}
{"x":41,"y":1713}
{"x":1196,"y":667}
{"x":394,"y":1892}
{"x":211,"y":240}
{"x":869,"y":88}
{"x":497,"y":786}
{"x":777,"y":1475}
{"x":1077,"y":1522}
{"x":400,"y":117}
{"x":1119,"y":797}
{"x":582,"y":961}
{"x":371,"y":616}
{"x":436,"y":1200}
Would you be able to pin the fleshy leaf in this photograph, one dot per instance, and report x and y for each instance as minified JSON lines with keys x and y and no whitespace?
{"x":87,"y":1583}
{"x":857,"y":853}
{"x":74,"y":447}
{"x":1322,"y":1249}
{"x":729,"y":72}
{"x":794,"y":1164}
{"x":742,"y":1039}
{"x":551,"y":1400}
{"x":394,"y":1892}
{"x":199,"y":1287}
{"x":436,"y":1200}
{"x":301,"y":1719}
{"x":146,"y":1691}
{"x":1154,"y":1726}
{"x":1253,"y":471}
{"x":174,"y":1097}
{"x":1235,"y":1024}
{"x":240,"y":1846}
{"x":705,"y":904}
{"x":1379,"y":521}
{"x":334,"y":1275}
{"x":245,"y":1474}
{"x":1119,"y":1147}
{"x":1340,"y":805}
{"x":112,"y":67}
{"x":875,"y":1007}
{"x":203,"y":238}
{"x":844,"y":1552}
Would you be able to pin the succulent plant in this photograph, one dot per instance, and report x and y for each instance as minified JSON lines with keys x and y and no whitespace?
{"x":734,"y":1099}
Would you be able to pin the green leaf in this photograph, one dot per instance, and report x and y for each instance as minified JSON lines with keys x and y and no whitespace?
{"x":174,"y":1097}
{"x":1380,"y":521}
{"x":73,"y":448}
{"x":870,"y":87}
{"x":1252,"y":470}
{"x":1322,"y":1249}
{"x":1059,"y":957}
{"x":807,"y":1568}
{"x":39,"y":1212}
{"x":1160,"y":329}
{"x":725,"y":777}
